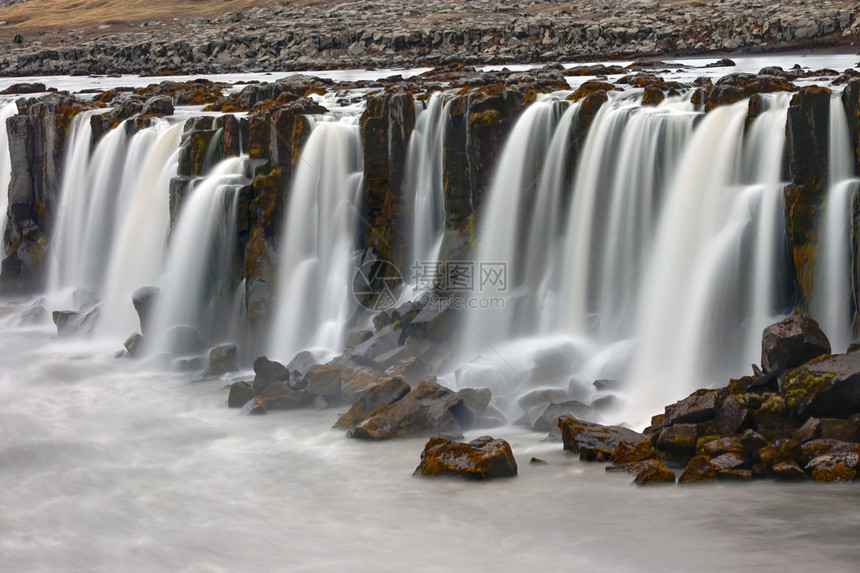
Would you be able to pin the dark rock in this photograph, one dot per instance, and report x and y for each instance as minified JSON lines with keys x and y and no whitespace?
{"x":814,"y":448}
{"x":254,"y":407}
{"x":576,"y":434}
{"x":25,"y":88}
{"x":789,"y":471}
{"x":732,"y":417}
{"x":699,"y":407}
{"x":476,"y":400}
{"x":428,"y":409}
{"x":382,"y":394}
{"x":325,"y":381}
{"x":268,"y":372}
{"x":300,"y":365}
{"x":222,"y":359}
{"x":836,"y":465}
{"x":240,"y":393}
{"x":729,"y":461}
{"x":772,"y":419}
{"x":679,"y":439}
{"x":629,"y":453}
{"x":792,"y":342}
{"x":698,"y":469}
{"x":785,"y":450}
{"x":720,"y":446}
{"x":735,"y":475}
{"x":825,"y":388}
{"x":158,"y":106}
{"x":652,"y":472}
{"x":482,"y":458}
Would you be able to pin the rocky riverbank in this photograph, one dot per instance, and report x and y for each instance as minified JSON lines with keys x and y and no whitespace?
{"x":379,"y":34}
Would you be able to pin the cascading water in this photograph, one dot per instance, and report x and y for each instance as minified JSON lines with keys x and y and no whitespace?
{"x":199,"y":256}
{"x":314,"y":301}
{"x":832,"y":297}
{"x":691,"y":328}
{"x":137,"y":256}
{"x":424,"y":180}
{"x":6,"y":111}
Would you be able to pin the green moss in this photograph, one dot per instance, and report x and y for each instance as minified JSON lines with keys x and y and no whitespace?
{"x":801,"y":384}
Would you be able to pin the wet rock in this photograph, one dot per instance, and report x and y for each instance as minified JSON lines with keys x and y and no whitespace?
{"x":427,"y":409}
{"x":25,"y":88}
{"x":651,"y":472}
{"x":699,"y":407}
{"x":732,"y":417}
{"x":837,"y":465}
{"x":134,"y":345}
{"x":792,"y":342}
{"x":788,"y":471}
{"x":325,"y":381}
{"x":814,"y":448}
{"x":679,"y":439}
{"x":299,"y":366}
{"x":184,"y":340}
{"x":576,"y":434}
{"x":541,"y":398}
{"x":785,"y":450}
{"x":268,"y":372}
{"x":480,"y":459}
{"x":735,"y":87}
{"x":240,"y":393}
{"x":222,"y":359}
{"x":158,"y":106}
{"x":629,"y":453}
{"x":476,"y":401}
{"x":825,"y":388}
{"x":254,"y":407}
{"x":382,"y":394}
{"x":720,"y":446}
{"x":698,"y":469}
{"x":773,"y":419}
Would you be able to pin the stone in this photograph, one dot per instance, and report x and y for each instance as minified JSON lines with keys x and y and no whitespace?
{"x":732,"y":417}
{"x":240,"y":393}
{"x":382,"y":394}
{"x":325,"y":381}
{"x":541,"y":397}
{"x":792,"y":342}
{"x":837,"y":465}
{"x":222,"y":359}
{"x":480,"y":459}
{"x":300,"y":365}
{"x":267,"y":372}
{"x":577,"y":433}
{"x":773,"y":419}
{"x":699,"y":407}
{"x":652,"y":472}
{"x":184,"y":340}
{"x":780,"y":451}
{"x":698,"y":469}
{"x":628,"y":453}
{"x":427,"y":409}
{"x":679,"y":439}
{"x":254,"y":407}
{"x":729,"y":461}
{"x":134,"y":345}
{"x":159,"y":105}
{"x":825,"y":388}
{"x":788,"y":471}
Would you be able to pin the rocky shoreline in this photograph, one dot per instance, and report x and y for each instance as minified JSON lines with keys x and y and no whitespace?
{"x":378,"y":34}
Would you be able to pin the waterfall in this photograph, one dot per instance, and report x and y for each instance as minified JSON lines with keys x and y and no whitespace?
{"x":313,"y":302}
{"x":504,"y":221}
{"x":424,"y":180}
{"x":832,"y":296}
{"x":629,"y":155}
{"x":6,"y":111}
{"x":137,"y":255}
{"x":691,"y":330}
{"x":199,"y":258}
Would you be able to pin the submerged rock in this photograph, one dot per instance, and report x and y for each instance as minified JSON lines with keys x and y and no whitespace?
{"x":482,"y":458}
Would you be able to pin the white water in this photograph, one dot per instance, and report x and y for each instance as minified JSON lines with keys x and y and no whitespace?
{"x":6,"y":111}
{"x":832,"y":290}
{"x":314,"y":301}
{"x":424,"y":181}
{"x":137,"y":256}
{"x":197,"y":257}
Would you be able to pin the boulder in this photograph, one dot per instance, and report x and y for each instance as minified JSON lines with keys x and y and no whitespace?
{"x":267,"y":372}
{"x":732,"y":417}
{"x":577,"y":434}
{"x":699,"y":407}
{"x":545,"y":418}
{"x":325,"y":381}
{"x":482,"y":458}
{"x":652,"y":472}
{"x":300,"y":365}
{"x":427,"y":409}
{"x":837,"y":465}
{"x":382,"y":394}
{"x":825,"y":388}
{"x":698,"y":469}
{"x":785,"y":450}
{"x":679,"y":439}
{"x":792,"y":342}
{"x":134,"y":345}
{"x":158,"y":106}
{"x":240,"y":393}
{"x":184,"y":340}
{"x":789,"y":471}
{"x":631,"y":453}
{"x":222,"y":359}
{"x":254,"y":407}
